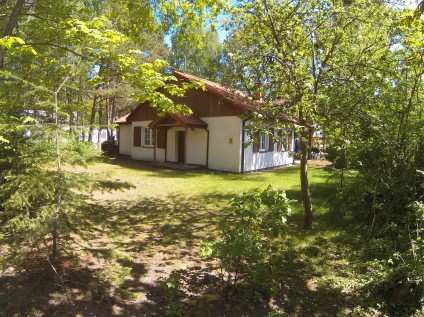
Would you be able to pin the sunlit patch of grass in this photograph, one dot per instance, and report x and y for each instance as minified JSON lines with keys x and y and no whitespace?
{"x":171,"y":211}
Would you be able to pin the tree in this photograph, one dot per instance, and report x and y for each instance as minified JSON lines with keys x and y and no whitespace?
{"x":356,"y":70}
{"x":297,"y":50}
{"x":10,"y":25}
{"x":53,"y":41}
{"x":202,"y":59}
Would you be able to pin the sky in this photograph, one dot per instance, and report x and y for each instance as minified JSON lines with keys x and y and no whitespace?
{"x":411,"y":4}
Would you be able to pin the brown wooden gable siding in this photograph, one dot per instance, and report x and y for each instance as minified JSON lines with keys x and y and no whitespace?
{"x":206,"y":104}
{"x":142,"y":113}
{"x":202,"y":103}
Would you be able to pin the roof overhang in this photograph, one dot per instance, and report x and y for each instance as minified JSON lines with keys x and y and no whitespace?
{"x":122,"y":120}
{"x":178,"y":120}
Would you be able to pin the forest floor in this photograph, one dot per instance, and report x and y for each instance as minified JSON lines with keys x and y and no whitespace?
{"x":135,"y":252}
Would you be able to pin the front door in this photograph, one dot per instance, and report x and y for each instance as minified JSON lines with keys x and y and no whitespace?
{"x":181,"y":146}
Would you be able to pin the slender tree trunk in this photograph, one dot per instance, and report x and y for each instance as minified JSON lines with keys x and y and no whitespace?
{"x":93,"y":116}
{"x":99,"y":135}
{"x":304,"y":183}
{"x":11,"y":22}
{"x":59,"y":183}
{"x":108,"y":122}
{"x":55,"y":234}
{"x":95,"y":105}
{"x":55,"y":237}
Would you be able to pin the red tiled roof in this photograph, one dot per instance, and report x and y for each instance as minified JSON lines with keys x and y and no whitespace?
{"x":235,"y":97}
{"x":186,"y":121}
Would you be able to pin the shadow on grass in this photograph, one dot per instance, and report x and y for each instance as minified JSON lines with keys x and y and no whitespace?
{"x":150,"y":222}
{"x":164,"y":172}
{"x":38,"y":292}
{"x":157,"y":237}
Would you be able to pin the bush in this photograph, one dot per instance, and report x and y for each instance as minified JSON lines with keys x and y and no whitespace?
{"x":245,"y":247}
{"x":336,"y":156}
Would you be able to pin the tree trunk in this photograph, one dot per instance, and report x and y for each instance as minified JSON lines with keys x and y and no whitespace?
{"x":11,"y":22}
{"x":306,"y":195}
{"x":54,"y":244}
{"x":93,"y":117}
{"x":108,"y":122}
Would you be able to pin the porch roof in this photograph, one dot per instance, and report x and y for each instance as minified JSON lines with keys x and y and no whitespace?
{"x":178,"y":120}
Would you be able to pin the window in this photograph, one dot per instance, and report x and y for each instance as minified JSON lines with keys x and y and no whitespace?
{"x":149,"y":137}
{"x":263,"y":142}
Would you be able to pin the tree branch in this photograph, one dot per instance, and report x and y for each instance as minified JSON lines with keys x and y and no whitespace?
{"x":55,"y":45}
{"x":13,"y":19}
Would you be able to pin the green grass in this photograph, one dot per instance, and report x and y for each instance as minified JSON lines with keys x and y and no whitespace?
{"x":188,"y":205}
{"x":154,"y":229}
{"x":153,"y":181}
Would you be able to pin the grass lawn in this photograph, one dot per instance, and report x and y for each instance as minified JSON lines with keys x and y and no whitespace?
{"x":129,"y":241}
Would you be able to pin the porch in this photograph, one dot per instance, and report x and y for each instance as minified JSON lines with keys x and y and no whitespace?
{"x":186,"y":146}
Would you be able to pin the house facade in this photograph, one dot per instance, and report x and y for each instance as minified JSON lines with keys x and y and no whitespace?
{"x":214,"y":136}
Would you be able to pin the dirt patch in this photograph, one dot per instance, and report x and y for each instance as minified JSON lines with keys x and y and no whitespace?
{"x":135,"y":253}
{"x":316,"y":163}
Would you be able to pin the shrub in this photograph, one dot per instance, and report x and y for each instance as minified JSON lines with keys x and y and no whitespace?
{"x":245,"y":246}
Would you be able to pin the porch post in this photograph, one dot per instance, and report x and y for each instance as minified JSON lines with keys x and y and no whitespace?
{"x":155,"y":145}
{"x":185,"y":148}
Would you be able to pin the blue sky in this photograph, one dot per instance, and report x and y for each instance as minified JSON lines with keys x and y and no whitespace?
{"x":411,"y":4}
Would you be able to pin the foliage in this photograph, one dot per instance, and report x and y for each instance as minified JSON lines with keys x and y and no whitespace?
{"x":31,"y":183}
{"x":392,"y":249}
{"x":172,"y":293}
{"x":112,"y":52}
{"x":100,"y":48}
{"x":245,"y":248}
{"x":202,"y":60}
{"x":355,"y":68}
{"x":336,"y":155}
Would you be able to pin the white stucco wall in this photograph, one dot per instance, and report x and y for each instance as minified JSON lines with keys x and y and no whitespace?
{"x":260,"y":160}
{"x":125,"y":139}
{"x":143,"y":153}
{"x":224,"y":143}
{"x":196,"y":146}
{"x":171,"y":144}
{"x":225,"y":150}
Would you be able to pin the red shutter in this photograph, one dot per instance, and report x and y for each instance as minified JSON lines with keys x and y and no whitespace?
{"x":289,"y":142}
{"x":280,"y":141}
{"x":137,"y":136}
{"x":271,"y":140}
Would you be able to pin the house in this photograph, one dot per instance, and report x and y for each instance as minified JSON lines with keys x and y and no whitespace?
{"x":214,"y":136}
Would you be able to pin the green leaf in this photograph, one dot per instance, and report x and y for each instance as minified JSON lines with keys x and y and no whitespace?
{"x":8,"y":41}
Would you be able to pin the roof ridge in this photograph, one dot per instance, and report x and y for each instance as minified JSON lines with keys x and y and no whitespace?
{"x":212,"y":83}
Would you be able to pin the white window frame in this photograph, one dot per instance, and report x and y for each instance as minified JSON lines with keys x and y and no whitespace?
{"x":263,"y":142}
{"x":149,"y":137}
